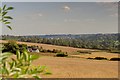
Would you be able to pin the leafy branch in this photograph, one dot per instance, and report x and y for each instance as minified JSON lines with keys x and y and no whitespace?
{"x":4,"y":18}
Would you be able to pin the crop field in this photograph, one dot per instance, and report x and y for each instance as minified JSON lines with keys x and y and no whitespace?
{"x":76,"y":67}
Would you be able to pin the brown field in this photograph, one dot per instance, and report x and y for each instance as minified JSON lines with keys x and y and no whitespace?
{"x":64,"y":67}
{"x":78,"y":68}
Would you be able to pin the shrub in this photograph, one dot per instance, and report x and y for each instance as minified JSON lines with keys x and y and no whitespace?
{"x":115,"y":59}
{"x":44,"y":50}
{"x":61,"y":54}
{"x":49,"y":51}
{"x":100,"y":58}
{"x":11,"y":46}
{"x":90,"y":58}
{"x":56,"y":51}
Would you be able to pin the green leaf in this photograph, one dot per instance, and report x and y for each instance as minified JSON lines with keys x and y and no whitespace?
{"x":9,"y":27}
{"x":12,"y":65}
{"x":7,"y":22}
{"x":41,"y":68}
{"x":13,"y":60}
{"x":4,"y":7}
{"x":16,"y":70}
{"x":37,"y":77}
{"x":26,"y":55}
{"x":10,"y":8}
{"x":4,"y":58}
{"x":0,"y":10}
{"x":6,"y":54}
{"x":4,"y":13}
{"x":34,"y":57}
{"x":49,"y":73}
{"x":16,"y":75}
{"x":8,"y":17}
{"x":18,"y":54}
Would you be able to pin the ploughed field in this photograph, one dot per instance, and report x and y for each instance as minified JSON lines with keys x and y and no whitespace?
{"x":76,"y":65}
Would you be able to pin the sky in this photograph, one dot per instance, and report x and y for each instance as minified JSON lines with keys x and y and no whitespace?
{"x":38,"y":18}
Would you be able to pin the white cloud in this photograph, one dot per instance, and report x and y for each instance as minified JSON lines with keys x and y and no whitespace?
{"x":66,"y":8}
{"x":40,"y":14}
{"x":71,"y":20}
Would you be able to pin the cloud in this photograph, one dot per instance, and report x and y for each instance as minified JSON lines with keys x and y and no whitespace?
{"x":40,"y":14}
{"x":71,"y":20}
{"x":66,"y":8}
{"x":90,"y":20}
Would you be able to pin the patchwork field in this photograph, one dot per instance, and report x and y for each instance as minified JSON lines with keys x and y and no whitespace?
{"x":80,"y":67}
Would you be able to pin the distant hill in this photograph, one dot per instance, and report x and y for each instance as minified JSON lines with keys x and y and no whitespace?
{"x":109,"y":42}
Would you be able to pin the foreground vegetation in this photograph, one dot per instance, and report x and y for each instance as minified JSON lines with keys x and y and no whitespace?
{"x":20,"y":65}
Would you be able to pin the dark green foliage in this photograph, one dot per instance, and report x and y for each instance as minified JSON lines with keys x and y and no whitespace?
{"x":56,"y":51}
{"x":90,"y":58}
{"x":100,"y":58}
{"x":12,"y":46}
{"x":61,"y":55}
{"x":20,"y":67}
{"x":50,"y":51}
{"x":115,"y":59}
{"x":115,"y":51}
{"x":109,"y":42}
{"x":43,"y":50}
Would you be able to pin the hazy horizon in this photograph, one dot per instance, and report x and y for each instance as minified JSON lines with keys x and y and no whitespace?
{"x":41,"y":18}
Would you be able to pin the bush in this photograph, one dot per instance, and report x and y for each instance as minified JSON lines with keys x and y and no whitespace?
{"x":11,"y":46}
{"x":90,"y":58}
{"x":115,"y":59}
{"x":100,"y":58}
{"x":56,"y":51}
{"x":44,"y":51}
{"x":61,"y":54}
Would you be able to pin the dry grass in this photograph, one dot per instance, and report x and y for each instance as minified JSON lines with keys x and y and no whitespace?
{"x":98,"y":54}
{"x":78,"y":68}
{"x":62,"y":67}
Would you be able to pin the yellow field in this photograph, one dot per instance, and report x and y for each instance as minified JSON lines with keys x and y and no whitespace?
{"x":64,"y":67}
{"x":78,"y":68}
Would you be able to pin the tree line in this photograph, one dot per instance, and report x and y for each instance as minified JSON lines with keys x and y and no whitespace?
{"x":91,"y":41}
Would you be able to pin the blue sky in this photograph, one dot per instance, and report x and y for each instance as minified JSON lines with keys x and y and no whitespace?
{"x":32,"y":18}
